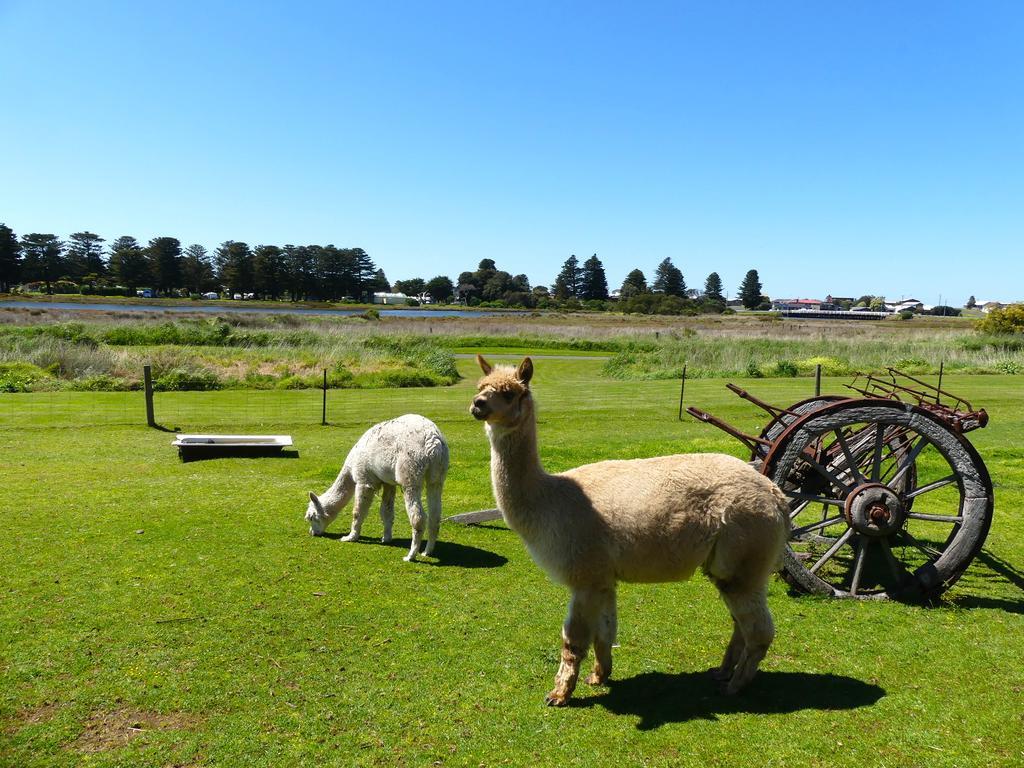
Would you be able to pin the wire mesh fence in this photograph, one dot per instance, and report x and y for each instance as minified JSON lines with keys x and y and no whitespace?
{"x":70,"y":409}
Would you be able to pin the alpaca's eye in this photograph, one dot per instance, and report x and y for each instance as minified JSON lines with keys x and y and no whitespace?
{"x":508,"y":396}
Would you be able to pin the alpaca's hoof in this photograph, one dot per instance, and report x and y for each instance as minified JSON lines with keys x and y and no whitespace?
{"x":596,"y":679}
{"x":385,"y":539}
{"x":351,"y":537}
{"x":410,"y":558}
{"x":555,"y":699}
{"x":721,"y":674}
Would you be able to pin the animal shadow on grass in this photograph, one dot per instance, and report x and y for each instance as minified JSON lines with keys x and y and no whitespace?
{"x":446,"y":553}
{"x":658,"y":698}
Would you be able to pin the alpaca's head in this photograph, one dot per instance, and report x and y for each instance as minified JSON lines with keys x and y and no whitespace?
{"x":503,"y":394}
{"x":315,"y":516}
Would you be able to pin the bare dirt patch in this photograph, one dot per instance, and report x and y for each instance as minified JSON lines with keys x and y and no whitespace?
{"x":105,"y":731}
{"x":40,"y":714}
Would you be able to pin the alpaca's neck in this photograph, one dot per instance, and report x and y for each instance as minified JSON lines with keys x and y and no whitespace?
{"x":516,"y":472}
{"x":337,"y":496}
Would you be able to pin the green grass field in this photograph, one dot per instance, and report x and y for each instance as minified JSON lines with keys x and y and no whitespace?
{"x":159,"y":613}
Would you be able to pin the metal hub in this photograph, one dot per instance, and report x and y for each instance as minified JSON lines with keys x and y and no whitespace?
{"x":873,"y":509}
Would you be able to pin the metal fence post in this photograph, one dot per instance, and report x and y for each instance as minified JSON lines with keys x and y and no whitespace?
{"x":323,"y":418}
{"x":147,"y":378}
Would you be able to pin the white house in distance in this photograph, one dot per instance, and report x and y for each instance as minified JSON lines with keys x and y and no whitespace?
{"x":988,"y":306}
{"x":792,"y":305}
{"x":383,"y":297}
{"x":906,"y":304}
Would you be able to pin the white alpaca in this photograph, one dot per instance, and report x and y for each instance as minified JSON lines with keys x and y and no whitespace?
{"x":644,"y":520}
{"x":409,"y":451}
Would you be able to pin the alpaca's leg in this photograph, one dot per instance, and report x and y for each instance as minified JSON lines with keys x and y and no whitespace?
{"x":433,"y":516}
{"x":577,"y":634}
{"x":604,"y":639}
{"x":364,"y":498}
{"x":732,"y":655}
{"x":754,"y":620}
{"x":414,"y":508}
{"x":387,"y":511}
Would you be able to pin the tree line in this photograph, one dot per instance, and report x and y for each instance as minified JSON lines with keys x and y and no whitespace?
{"x":87,"y":263}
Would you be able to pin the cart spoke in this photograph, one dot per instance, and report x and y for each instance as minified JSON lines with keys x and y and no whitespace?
{"x":832,"y":550}
{"x":925,"y":548}
{"x":936,"y":518}
{"x":798,"y":509}
{"x":858,"y":567}
{"x":824,"y":472}
{"x":908,"y":461}
{"x":810,"y":497}
{"x":851,"y":463}
{"x":947,"y":480}
{"x":876,"y":462}
{"x":797,"y":532}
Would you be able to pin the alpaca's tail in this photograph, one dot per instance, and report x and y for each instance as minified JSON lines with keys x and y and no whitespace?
{"x":436,"y":450}
{"x":783,"y":519}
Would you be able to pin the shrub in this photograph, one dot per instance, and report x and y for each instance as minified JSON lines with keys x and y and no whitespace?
{"x":1008,"y":320}
{"x":830,"y":366}
{"x":180,"y":380}
{"x":1010,"y":366}
{"x":786,"y":368}
{"x":912,"y":365}
{"x":101,"y":382}
{"x":753,"y":371}
{"x":20,"y":377}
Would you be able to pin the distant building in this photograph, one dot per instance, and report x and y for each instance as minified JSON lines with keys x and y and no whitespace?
{"x":988,"y":306}
{"x":839,"y":300}
{"x":794,"y":305}
{"x":913,"y":305}
{"x":382,"y":297}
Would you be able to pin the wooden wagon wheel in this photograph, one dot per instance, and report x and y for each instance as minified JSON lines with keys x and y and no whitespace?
{"x":778,"y":425}
{"x":886,"y":500}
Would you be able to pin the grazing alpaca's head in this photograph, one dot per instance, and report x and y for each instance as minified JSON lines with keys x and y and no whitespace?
{"x":503,"y":394}
{"x":321,"y":511}
{"x":315,"y":516}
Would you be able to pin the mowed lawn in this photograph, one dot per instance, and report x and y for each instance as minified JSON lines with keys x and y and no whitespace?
{"x":159,"y":613}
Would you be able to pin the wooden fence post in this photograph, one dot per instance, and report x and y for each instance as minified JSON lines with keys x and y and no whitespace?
{"x":682,"y":389}
{"x":147,"y":378}
{"x":817,"y":380}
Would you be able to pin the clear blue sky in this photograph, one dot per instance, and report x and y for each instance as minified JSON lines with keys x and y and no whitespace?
{"x":836,"y":147}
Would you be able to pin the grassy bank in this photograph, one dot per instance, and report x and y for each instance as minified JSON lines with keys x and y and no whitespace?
{"x":59,"y":349}
{"x":212,"y":354}
{"x":180,"y":614}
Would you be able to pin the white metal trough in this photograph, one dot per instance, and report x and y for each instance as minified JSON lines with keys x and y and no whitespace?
{"x":210,"y":446}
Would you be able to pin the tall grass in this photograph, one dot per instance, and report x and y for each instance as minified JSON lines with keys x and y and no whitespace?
{"x":204,"y":355}
{"x":715,"y":357}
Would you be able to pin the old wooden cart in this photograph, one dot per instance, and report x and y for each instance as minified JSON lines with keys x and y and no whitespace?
{"x":888,"y":499}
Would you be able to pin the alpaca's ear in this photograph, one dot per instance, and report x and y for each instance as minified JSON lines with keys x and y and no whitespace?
{"x":484,"y":365}
{"x":316,"y":502}
{"x":525,"y":371}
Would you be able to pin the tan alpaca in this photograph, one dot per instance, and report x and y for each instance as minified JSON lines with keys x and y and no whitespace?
{"x":644,"y":520}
